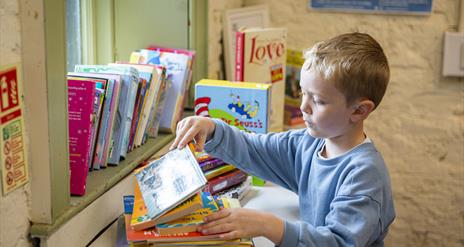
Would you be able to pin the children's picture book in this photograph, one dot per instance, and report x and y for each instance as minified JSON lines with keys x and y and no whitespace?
{"x":292,"y":113}
{"x":80,"y":110}
{"x":225,"y":181}
{"x":190,"y":222}
{"x":245,"y":105}
{"x":170,"y":180}
{"x":260,"y":57}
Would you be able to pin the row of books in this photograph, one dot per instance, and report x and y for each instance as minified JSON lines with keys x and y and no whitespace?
{"x":115,"y":108}
{"x":174,"y":193}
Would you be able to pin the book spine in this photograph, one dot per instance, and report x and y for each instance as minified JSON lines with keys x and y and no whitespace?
{"x":98,"y":159}
{"x":154,"y":127}
{"x":211,"y":164}
{"x":112,"y":124}
{"x":135,"y":114}
{"x":239,"y":55}
{"x":129,"y":111}
{"x":225,"y":181}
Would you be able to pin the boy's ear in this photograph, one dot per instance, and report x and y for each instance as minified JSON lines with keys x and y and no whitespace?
{"x":362,"y":109}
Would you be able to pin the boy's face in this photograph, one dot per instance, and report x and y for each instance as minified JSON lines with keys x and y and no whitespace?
{"x":324,"y":107}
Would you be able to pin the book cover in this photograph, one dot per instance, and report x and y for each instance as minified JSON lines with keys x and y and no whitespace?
{"x":129,"y":84}
{"x":140,"y":220}
{"x":170,"y":180}
{"x":188,"y":88}
{"x":190,"y":222}
{"x":96,"y":116}
{"x":80,"y":109}
{"x":295,"y":60}
{"x":261,"y":57}
{"x":177,"y":71}
{"x":245,"y":105}
{"x":225,"y":181}
{"x":238,"y":191}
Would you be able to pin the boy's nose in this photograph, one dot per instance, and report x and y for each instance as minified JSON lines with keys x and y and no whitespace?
{"x":305,"y":108}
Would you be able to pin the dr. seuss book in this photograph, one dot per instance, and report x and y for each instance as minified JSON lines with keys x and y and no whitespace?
{"x":170,"y":180}
{"x":244,"y":105}
{"x":260,"y":57}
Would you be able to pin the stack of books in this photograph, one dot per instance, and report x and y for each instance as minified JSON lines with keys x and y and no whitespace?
{"x":170,"y":202}
{"x":115,"y":108}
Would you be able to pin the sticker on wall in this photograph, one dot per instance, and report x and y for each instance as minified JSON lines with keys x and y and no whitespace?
{"x":13,"y":166}
{"x":374,"y":6}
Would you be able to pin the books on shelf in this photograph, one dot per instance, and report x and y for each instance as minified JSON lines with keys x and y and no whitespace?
{"x":170,"y":180}
{"x":177,"y":70}
{"x":260,"y":57}
{"x":245,"y":105}
{"x":81,"y":96}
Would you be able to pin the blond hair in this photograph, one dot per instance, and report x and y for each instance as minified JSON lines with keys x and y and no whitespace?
{"x":355,"y":62}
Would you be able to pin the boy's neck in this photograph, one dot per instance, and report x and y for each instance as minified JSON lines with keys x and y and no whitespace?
{"x":341,"y":144}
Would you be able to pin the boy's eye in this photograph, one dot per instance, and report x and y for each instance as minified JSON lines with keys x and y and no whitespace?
{"x":319,"y":102}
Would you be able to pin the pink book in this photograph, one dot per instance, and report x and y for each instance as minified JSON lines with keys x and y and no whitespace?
{"x":81,"y":94}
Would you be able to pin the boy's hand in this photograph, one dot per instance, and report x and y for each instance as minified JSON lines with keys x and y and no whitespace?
{"x":243,"y":223}
{"x":197,"y":129}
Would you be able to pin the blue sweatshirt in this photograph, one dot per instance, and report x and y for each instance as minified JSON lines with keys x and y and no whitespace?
{"x":344,"y":201}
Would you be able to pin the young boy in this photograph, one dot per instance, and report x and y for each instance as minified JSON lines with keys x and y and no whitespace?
{"x":344,"y":191}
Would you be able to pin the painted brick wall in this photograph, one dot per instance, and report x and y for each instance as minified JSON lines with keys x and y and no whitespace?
{"x":419,"y":126}
{"x":14,"y":208}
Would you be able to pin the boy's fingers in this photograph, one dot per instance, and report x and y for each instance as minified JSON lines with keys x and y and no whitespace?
{"x":200,"y":143}
{"x":217,"y":215}
{"x":187,"y":137}
{"x":179,"y":134}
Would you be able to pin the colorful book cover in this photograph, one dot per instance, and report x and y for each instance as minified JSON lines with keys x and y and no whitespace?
{"x":142,"y":88}
{"x":80,"y":109}
{"x":191,"y":54}
{"x":245,"y":105}
{"x":190,"y":222}
{"x":140,"y":220}
{"x":218,"y":171}
{"x":96,"y":116}
{"x":295,"y":61}
{"x":154,"y":123}
{"x":225,"y":181}
{"x":170,"y":180}
{"x":261,"y":57}
{"x":177,"y":71}
{"x":129,"y":84}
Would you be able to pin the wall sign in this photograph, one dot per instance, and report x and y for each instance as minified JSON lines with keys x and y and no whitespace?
{"x":374,"y":6}
{"x":13,"y":166}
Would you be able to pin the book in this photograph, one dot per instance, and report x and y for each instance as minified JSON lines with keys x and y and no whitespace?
{"x":238,"y":191}
{"x":260,"y":57}
{"x":295,"y":60}
{"x":245,"y":105}
{"x":190,"y":222}
{"x":170,"y":180}
{"x":177,"y":71}
{"x":81,"y":96}
{"x":210,"y":164}
{"x":140,"y":219}
{"x":218,"y":171}
{"x":225,"y":181}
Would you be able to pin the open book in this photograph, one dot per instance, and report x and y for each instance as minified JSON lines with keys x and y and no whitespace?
{"x":170,"y":180}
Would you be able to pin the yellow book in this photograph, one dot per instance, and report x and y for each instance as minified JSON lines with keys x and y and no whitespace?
{"x":218,"y":171}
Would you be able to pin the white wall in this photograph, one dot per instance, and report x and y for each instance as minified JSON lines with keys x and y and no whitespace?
{"x":419,"y":125}
{"x":14,"y":208}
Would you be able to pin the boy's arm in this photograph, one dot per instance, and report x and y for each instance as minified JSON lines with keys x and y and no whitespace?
{"x":269,"y":156}
{"x":352,"y":221}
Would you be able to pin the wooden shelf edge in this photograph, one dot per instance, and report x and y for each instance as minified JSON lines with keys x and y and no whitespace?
{"x":98,"y":182}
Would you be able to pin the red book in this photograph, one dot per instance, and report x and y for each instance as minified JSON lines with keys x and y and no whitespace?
{"x":81,"y":95}
{"x":225,"y":181}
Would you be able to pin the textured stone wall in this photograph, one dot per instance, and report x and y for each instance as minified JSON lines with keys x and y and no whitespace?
{"x":419,"y":126}
{"x":14,"y":208}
